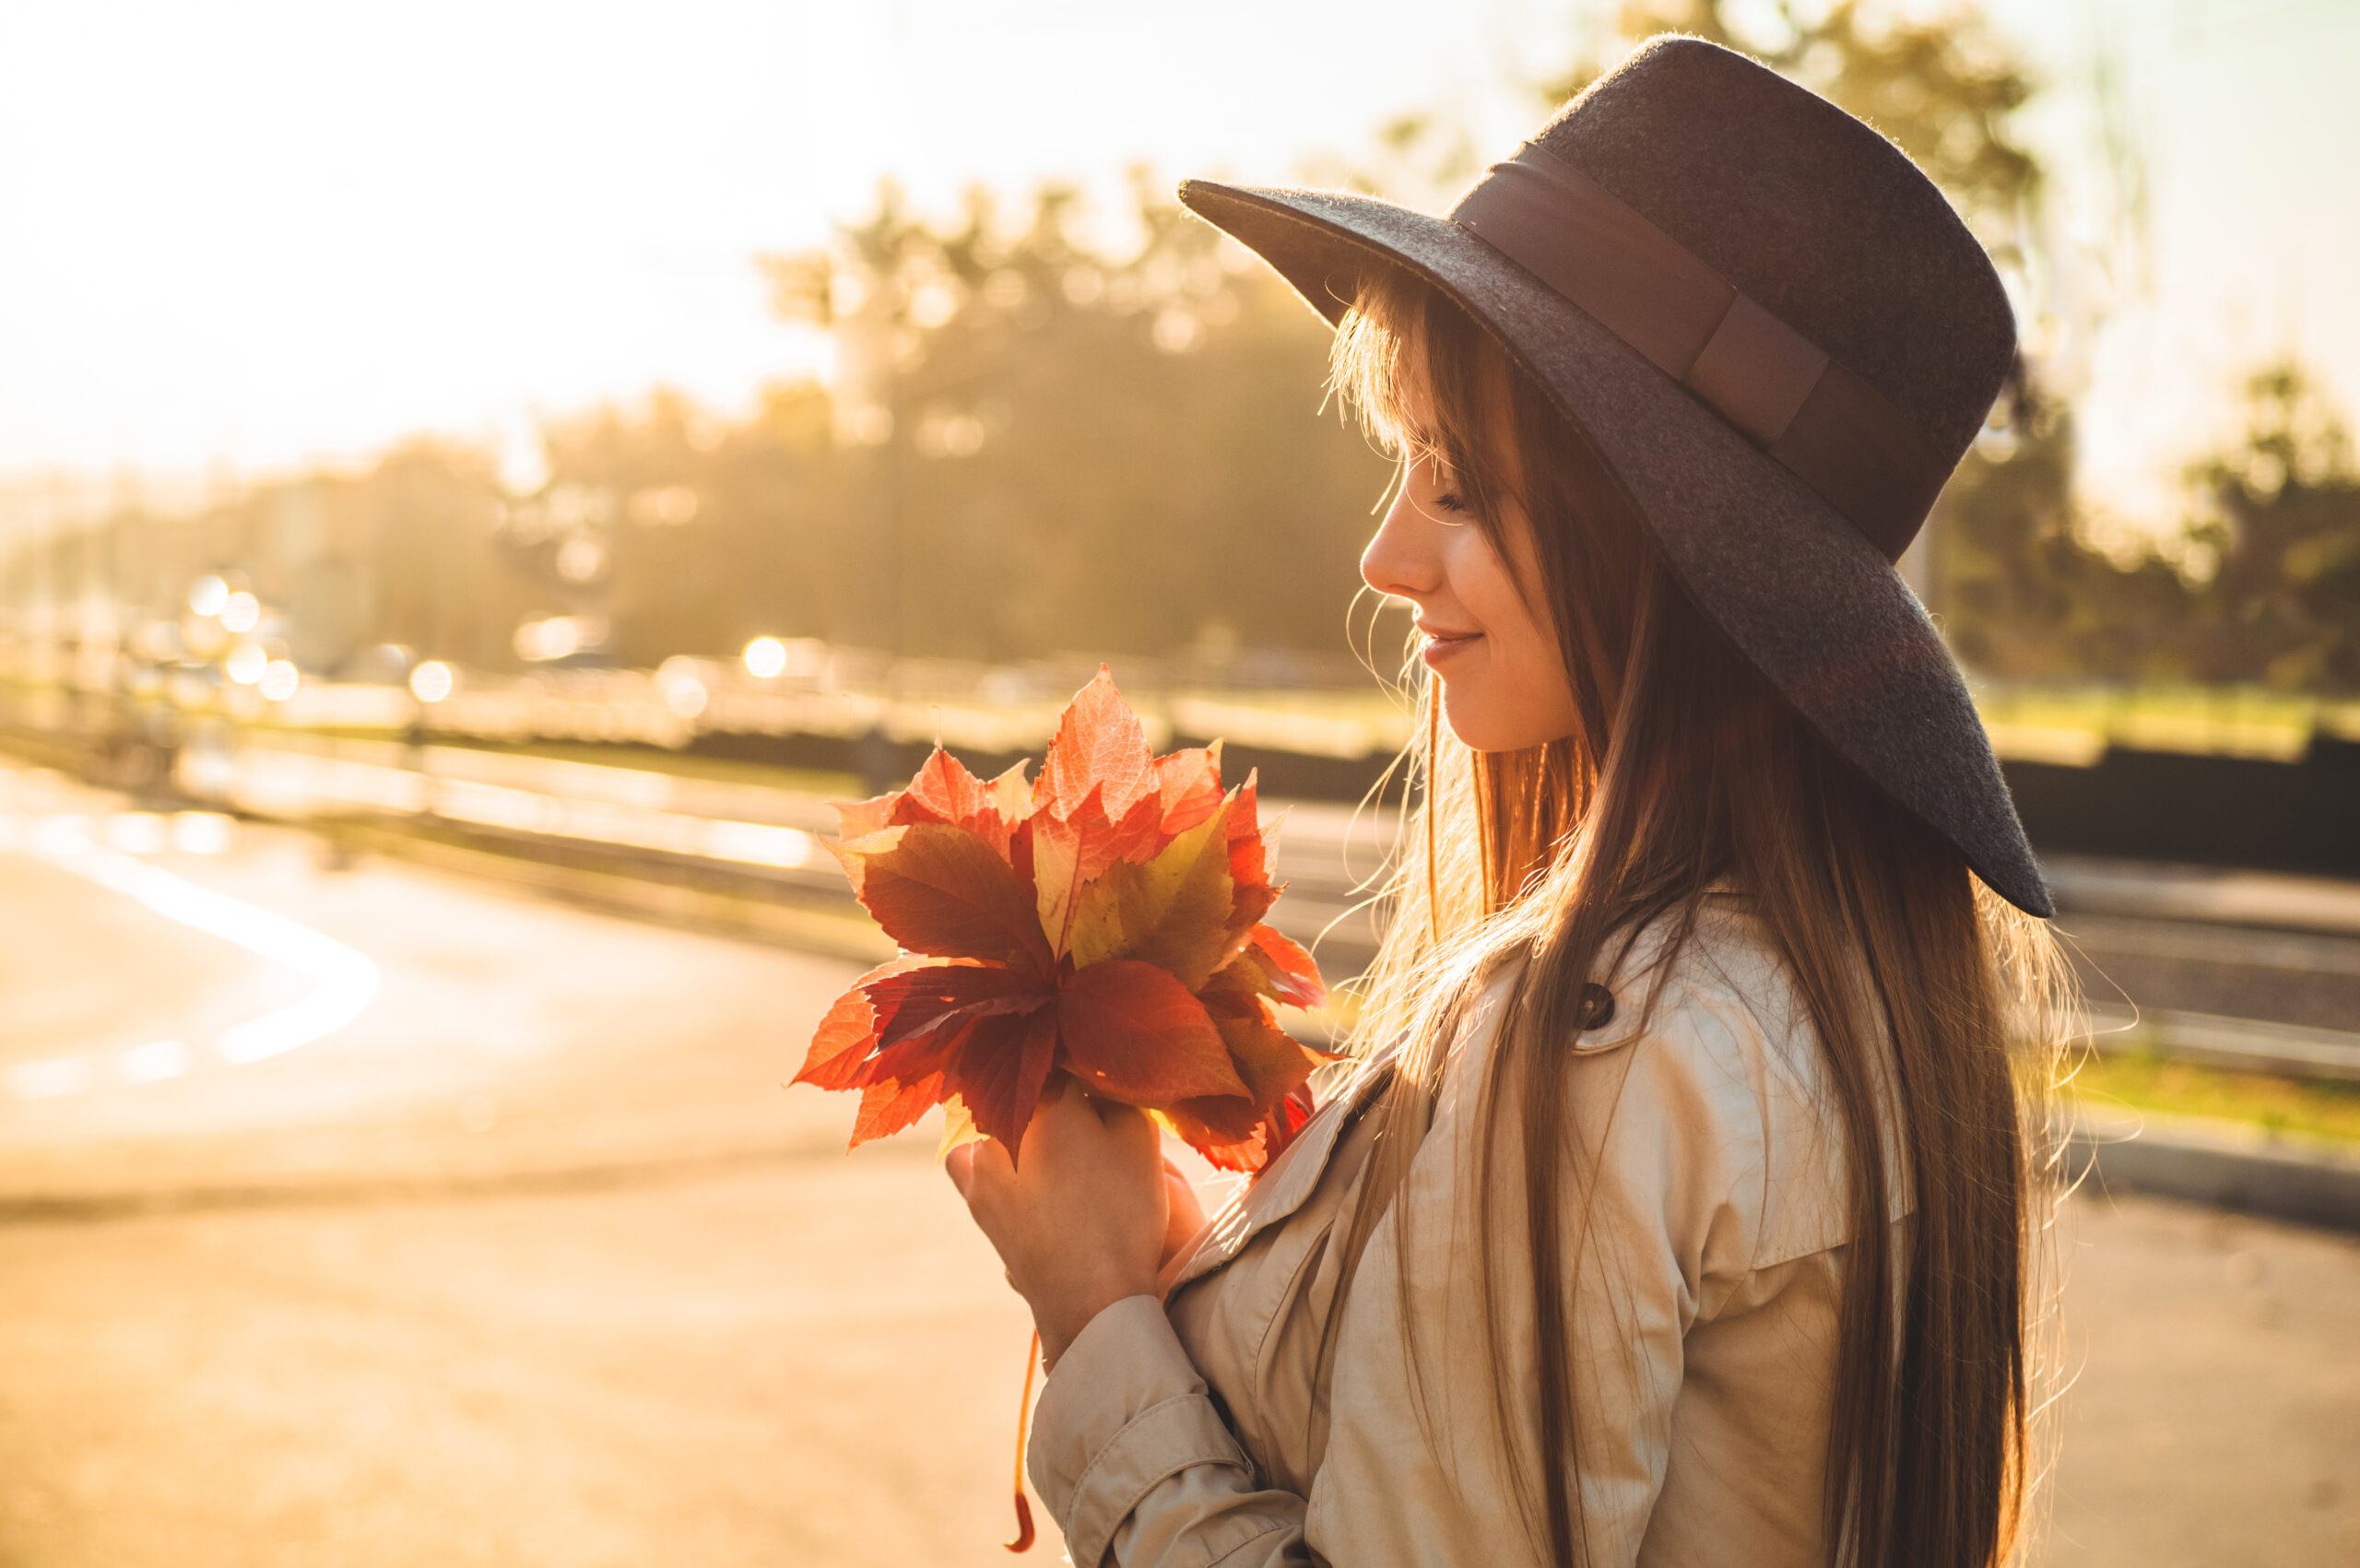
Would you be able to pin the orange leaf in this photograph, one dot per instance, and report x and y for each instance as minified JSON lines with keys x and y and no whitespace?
{"x":1233,"y":1142}
{"x":1134,"y":1033}
{"x":1067,"y":853}
{"x":940,"y":889}
{"x":918,"y":1000}
{"x":1248,"y":905}
{"x":1294,"y":974}
{"x":1188,"y":787}
{"x":887,"y":1107}
{"x":840,"y":1047}
{"x":903,"y":1083}
{"x":1070,"y":923}
{"x":1099,"y":746}
{"x":993,"y":1064}
{"x":1248,"y":859}
{"x":1011,"y":793}
{"x":1173,"y":912}
{"x":858,"y":818}
{"x":1270,"y":1060}
{"x":944,"y":791}
{"x":1274,"y":1065}
{"x":999,"y":1070}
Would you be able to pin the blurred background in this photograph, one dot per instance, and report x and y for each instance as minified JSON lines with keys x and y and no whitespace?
{"x":476,"y":480}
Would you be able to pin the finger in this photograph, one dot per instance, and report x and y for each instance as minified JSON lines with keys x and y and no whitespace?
{"x":960,"y":1165}
{"x":1132,"y":1128}
{"x":1070,"y":1112}
{"x":987,"y":1170}
{"x":1183,"y":1217}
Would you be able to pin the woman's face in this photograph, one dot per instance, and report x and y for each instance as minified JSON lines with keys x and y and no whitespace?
{"x":1503,"y":683}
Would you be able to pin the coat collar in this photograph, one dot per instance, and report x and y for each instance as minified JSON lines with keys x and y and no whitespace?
{"x":1290,"y":1181}
{"x":1278,"y":1191}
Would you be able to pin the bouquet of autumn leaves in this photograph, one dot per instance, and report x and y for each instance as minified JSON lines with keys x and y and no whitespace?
{"x":1104,"y":921}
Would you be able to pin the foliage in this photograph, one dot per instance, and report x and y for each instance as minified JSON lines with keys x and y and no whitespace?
{"x":2265,"y":588}
{"x":1103,"y":923}
{"x":2279,"y":529}
{"x":1040,"y":438}
{"x":1067,"y":448}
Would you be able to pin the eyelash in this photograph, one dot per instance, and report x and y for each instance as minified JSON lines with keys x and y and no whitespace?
{"x":1448,"y":500}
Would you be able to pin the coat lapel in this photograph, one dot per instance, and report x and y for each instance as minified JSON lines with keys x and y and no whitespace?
{"x":1277,"y":1192}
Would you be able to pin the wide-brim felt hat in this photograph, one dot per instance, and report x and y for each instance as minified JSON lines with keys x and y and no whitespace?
{"x":1779,"y":339}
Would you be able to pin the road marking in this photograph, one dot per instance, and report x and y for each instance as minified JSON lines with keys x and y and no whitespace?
{"x":152,"y":1064}
{"x":345,"y":980}
{"x":46,"y":1079}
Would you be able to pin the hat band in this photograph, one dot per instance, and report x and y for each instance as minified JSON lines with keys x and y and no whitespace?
{"x":1806,"y":410}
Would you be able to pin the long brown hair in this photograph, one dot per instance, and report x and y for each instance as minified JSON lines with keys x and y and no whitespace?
{"x":1930,"y":996}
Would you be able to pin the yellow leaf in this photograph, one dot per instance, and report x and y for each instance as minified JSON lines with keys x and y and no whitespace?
{"x":958,"y":1128}
{"x":1172,"y":911}
{"x":1056,"y":853}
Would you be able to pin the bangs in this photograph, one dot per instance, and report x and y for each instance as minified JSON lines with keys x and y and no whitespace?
{"x":1403,"y":336}
{"x":1373,"y":342}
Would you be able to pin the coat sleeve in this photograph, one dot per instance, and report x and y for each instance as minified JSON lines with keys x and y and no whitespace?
{"x":1134,"y":1461}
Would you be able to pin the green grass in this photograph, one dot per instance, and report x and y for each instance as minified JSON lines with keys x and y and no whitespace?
{"x":2292,"y":1107}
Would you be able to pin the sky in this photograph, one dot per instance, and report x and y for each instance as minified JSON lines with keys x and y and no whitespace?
{"x":242,"y":237}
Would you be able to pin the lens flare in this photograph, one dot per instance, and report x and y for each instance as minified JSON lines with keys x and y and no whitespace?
{"x":431,"y":681}
{"x":246,"y":663}
{"x":765,"y":657}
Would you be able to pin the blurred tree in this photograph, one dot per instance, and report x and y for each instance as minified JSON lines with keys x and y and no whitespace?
{"x":1037,"y":439}
{"x":2278,"y":541}
{"x":1072,"y":446}
{"x":2021,"y":594}
{"x":2006,"y":561}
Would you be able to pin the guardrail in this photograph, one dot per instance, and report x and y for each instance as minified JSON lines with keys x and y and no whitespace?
{"x":772,"y":838}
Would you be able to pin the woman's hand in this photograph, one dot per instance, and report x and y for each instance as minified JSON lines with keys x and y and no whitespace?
{"x":1085,"y":1217}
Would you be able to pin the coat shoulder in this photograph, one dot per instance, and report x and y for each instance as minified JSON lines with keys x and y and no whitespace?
{"x":1718,"y":1022}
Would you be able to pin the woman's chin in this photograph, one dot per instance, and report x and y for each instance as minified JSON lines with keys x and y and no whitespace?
{"x":1478,"y":726}
{"x":1482,"y":726}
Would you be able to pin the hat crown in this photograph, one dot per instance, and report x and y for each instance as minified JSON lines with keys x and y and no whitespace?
{"x":1808,"y":212}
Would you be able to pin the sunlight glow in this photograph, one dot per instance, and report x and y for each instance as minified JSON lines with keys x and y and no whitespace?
{"x":431,"y":681}
{"x":345,"y":980}
{"x":765,"y":657}
{"x":246,"y":663}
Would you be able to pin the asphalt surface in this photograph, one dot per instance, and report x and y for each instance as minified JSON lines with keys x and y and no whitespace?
{"x":534,"y":1262}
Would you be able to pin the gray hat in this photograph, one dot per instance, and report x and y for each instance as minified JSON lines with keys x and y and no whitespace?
{"x":1780,"y":340}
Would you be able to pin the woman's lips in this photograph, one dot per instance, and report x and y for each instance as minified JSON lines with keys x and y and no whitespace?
{"x":1441,"y":645}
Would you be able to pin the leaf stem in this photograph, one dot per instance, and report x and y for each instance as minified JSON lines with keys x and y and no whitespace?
{"x":1023,"y":1541}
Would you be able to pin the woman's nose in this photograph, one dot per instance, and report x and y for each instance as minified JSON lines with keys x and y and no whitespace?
{"x":1400,"y":560}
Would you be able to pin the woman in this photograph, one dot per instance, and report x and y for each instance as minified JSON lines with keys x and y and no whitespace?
{"x":1678,"y":1209}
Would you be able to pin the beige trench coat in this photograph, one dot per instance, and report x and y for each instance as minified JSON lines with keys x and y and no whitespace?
{"x":1704,"y":1313}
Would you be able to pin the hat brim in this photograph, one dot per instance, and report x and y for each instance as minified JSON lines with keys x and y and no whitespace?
{"x":1816,"y":607}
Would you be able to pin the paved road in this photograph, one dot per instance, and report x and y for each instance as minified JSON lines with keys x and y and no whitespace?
{"x":534,"y":1263}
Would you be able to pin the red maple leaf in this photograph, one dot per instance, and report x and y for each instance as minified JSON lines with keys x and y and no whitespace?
{"x":1103,"y":922}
